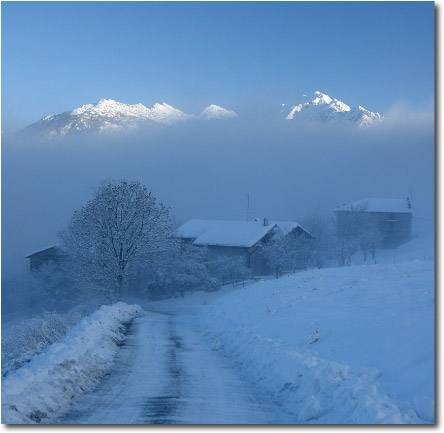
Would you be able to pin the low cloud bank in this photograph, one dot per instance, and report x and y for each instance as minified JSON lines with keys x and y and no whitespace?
{"x":206,"y":170}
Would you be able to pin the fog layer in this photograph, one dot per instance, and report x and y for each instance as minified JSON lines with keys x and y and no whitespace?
{"x":206,"y":169}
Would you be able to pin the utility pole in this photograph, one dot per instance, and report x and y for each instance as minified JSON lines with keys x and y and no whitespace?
{"x":248,"y":206}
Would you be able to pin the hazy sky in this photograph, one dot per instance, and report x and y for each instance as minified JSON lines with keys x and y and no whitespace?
{"x":242,"y":55}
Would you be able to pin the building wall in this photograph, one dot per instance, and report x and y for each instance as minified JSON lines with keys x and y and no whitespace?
{"x":396,"y":228}
{"x":251,"y":257}
{"x":37,"y":260}
{"x":218,"y":251}
{"x":258,"y":265}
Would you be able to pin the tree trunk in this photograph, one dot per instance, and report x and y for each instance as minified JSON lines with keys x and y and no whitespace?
{"x":120,"y":283}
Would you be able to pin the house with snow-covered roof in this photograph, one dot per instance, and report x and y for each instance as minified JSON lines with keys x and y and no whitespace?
{"x":238,"y":238}
{"x":43,"y":256}
{"x":392,"y":218}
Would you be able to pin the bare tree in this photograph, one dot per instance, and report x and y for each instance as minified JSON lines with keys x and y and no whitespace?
{"x":275,"y":253}
{"x":322,"y":242}
{"x":351,"y":225}
{"x":120,"y":228}
{"x":375,"y":240}
{"x":189,"y":269}
{"x":357,"y":230}
{"x":180,"y":268}
{"x":346,"y":246}
{"x":287,"y":251}
{"x":230,"y":269}
{"x":369,"y":239}
{"x":298,"y":251}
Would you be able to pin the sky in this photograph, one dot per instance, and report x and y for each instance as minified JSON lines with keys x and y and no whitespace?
{"x":246,"y":56}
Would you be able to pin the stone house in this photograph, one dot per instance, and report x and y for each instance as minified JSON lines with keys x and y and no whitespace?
{"x":238,"y":238}
{"x":392,"y":217}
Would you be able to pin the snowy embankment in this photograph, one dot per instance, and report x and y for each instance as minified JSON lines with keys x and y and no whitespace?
{"x":29,"y":337}
{"x":339,"y":345}
{"x":47,"y":386}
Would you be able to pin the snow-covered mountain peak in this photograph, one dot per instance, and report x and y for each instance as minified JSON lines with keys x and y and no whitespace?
{"x":110,"y":108}
{"x":321,"y":98}
{"x":216,"y":112}
{"x":164,"y":113}
{"x":109,"y":116}
{"x":320,"y":107}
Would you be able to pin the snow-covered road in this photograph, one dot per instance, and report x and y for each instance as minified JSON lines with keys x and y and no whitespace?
{"x":166,"y":373}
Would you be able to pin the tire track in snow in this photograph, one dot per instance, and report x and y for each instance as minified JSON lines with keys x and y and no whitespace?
{"x":159,"y":409}
{"x":166,"y":374}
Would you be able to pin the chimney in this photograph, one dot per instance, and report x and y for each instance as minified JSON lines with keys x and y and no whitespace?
{"x":265,"y":221}
{"x":409,"y":204}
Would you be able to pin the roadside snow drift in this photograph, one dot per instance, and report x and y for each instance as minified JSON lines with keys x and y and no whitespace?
{"x":341,"y":345}
{"x":47,"y":386}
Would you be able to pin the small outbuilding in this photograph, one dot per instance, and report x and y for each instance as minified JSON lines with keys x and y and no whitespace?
{"x":43,"y":256}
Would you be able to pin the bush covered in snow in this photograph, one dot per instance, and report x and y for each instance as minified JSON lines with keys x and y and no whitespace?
{"x":46,"y":387}
{"x":32,"y":336}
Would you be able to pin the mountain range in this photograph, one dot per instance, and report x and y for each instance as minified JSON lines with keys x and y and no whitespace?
{"x":109,"y":116}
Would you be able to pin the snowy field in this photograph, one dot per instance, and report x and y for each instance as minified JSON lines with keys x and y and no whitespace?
{"x":339,"y":345}
{"x":344,"y":345}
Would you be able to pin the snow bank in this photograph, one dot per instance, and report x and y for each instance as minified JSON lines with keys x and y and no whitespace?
{"x":340,"y":345}
{"x":46,"y":387}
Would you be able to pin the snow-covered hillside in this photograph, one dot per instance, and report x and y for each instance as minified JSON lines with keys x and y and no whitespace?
{"x":338,"y":345}
{"x":320,"y":107}
{"x":108,"y":116}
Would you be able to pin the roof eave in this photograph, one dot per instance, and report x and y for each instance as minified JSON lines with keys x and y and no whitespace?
{"x":40,"y":251}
